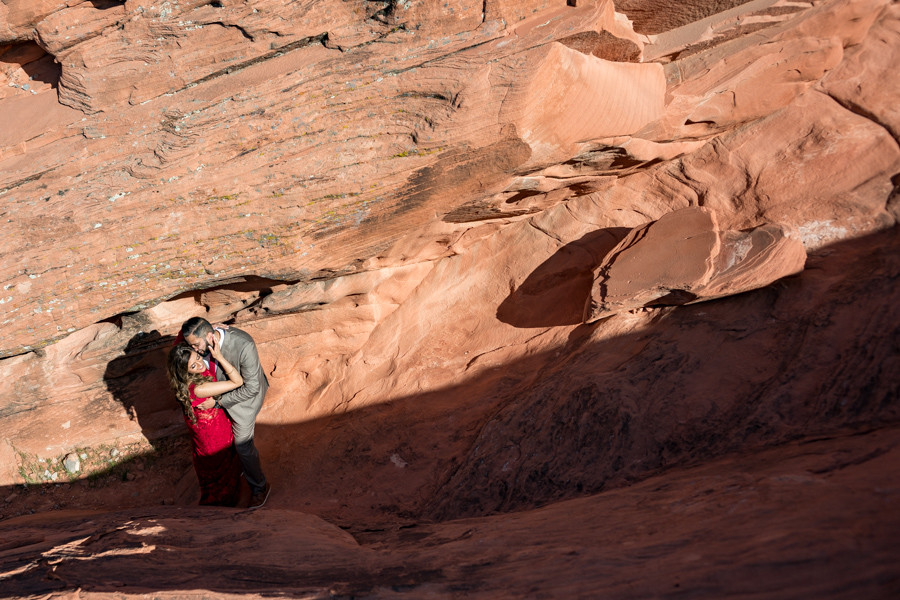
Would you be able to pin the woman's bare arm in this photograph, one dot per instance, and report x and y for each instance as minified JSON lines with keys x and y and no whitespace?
{"x":208,"y":389}
{"x":215,"y":388}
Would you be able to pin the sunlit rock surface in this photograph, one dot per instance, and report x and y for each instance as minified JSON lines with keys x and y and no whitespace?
{"x":684,"y":258}
{"x":409,"y":205}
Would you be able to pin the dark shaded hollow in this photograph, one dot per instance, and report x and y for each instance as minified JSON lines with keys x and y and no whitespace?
{"x":32,"y":59}
{"x":657,"y":16}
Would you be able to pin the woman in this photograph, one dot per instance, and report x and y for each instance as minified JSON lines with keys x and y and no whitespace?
{"x":215,"y":460}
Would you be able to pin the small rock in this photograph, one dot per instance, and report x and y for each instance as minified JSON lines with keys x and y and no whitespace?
{"x":130,"y":476}
{"x":53,"y":461}
{"x":11,"y":497}
{"x":140,"y":466}
{"x":83,"y":455}
{"x":71,"y":463}
{"x":46,"y":474}
{"x":135,"y":494}
{"x":169,"y":501}
{"x":114,"y":452}
{"x":54,"y":476}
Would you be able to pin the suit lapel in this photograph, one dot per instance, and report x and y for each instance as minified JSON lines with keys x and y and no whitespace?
{"x":220,"y":374}
{"x":230,"y":352}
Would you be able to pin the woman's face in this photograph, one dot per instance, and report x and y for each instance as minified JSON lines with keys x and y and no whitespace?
{"x":195,"y":364}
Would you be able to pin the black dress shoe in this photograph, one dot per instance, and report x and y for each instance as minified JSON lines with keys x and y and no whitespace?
{"x":260,"y":498}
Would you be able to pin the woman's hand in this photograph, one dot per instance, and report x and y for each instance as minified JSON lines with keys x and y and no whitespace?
{"x":216,"y":348}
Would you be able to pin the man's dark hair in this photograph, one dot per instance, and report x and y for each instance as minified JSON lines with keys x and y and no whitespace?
{"x":197,"y":326}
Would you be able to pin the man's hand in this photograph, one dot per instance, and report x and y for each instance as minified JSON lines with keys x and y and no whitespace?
{"x":206,"y":404}
{"x":220,"y":326}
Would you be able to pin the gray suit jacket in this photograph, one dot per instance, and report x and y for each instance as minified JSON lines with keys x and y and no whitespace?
{"x":244,"y":403}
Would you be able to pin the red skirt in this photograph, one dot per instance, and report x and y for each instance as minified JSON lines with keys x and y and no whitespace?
{"x":215,"y":459}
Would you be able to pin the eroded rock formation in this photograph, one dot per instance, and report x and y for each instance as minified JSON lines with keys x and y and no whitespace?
{"x":684,"y":258}
{"x":407,"y":203}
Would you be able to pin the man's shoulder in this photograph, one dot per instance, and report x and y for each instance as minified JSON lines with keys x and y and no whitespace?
{"x":240,"y":336}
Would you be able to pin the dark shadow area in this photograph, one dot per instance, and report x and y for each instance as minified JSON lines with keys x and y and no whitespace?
{"x":812,"y":355}
{"x":722,"y":510}
{"x":555,"y":293}
{"x":244,"y":283}
{"x":105,"y":4}
{"x":674,"y":298}
{"x":32,"y":59}
{"x":519,"y":196}
{"x":45,"y":70}
{"x":138,"y":381}
{"x":658,"y":16}
{"x":603,"y":45}
{"x":807,"y":355}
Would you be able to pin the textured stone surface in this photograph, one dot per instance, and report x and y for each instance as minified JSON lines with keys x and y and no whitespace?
{"x":684,"y":257}
{"x":406,"y":203}
{"x":295,"y":159}
{"x":772,"y":523}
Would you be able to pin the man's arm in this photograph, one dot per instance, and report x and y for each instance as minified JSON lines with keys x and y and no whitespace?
{"x":249,"y":368}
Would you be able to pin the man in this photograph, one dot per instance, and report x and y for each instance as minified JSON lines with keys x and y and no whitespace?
{"x":242,"y":404}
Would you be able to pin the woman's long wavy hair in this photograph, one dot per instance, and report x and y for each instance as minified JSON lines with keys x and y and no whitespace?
{"x":180,"y":378}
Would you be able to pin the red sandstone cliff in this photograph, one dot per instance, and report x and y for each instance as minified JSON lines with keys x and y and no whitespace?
{"x":551,"y":297}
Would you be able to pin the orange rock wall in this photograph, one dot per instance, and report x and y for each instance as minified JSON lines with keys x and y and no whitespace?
{"x":410,"y":205}
{"x":400,"y":201}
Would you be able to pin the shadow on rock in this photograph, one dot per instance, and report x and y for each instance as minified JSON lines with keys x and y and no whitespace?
{"x":555,"y":293}
{"x":138,"y":381}
{"x":618,"y":402}
{"x":811,"y":360}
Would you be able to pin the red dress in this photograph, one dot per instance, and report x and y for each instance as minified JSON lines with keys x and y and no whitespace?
{"x":215,"y":460}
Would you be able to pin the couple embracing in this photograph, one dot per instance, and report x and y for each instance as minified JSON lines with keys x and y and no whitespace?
{"x":221,"y":386}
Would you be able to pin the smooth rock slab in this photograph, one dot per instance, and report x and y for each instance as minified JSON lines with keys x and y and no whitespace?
{"x":684,"y":257}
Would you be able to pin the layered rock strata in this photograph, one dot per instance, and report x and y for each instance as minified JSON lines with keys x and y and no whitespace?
{"x":298,"y":161}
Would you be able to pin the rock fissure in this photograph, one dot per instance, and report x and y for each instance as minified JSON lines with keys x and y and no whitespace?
{"x":277,"y":53}
{"x":861,"y":111}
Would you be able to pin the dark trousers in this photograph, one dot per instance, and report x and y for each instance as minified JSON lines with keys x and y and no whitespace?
{"x":249,"y":455}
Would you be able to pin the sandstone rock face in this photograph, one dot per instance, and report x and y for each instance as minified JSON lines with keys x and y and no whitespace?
{"x":683,"y":258}
{"x":468,"y":129}
{"x":408,"y":205}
